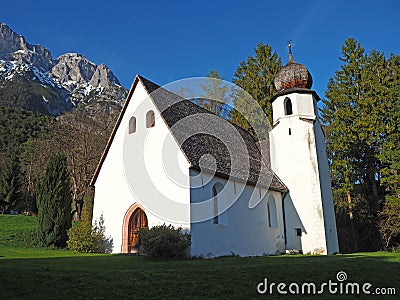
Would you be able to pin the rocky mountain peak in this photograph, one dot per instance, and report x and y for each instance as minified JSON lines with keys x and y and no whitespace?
{"x":31,"y":79}
{"x":72,"y":70}
{"x":103,"y":77}
{"x":10,"y":41}
{"x":13,"y":47}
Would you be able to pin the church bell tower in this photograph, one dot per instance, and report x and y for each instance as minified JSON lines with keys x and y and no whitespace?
{"x":298,"y":157}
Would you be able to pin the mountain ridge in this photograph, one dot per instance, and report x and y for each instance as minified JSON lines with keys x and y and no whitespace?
{"x":31,"y":79}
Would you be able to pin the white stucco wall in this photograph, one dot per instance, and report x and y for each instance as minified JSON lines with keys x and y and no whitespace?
{"x":294,"y":148}
{"x":245,"y":230}
{"x":145,"y":167}
{"x":292,"y":221}
{"x":326,"y":188}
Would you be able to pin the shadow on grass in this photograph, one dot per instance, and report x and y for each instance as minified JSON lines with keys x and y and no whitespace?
{"x":122,"y":276}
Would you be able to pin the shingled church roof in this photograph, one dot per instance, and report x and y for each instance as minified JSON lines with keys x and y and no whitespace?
{"x":200,"y":132}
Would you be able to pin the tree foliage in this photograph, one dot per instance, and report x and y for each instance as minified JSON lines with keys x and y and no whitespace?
{"x":81,"y":135}
{"x":54,"y":202}
{"x":389,"y":224}
{"x":9,"y":183}
{"x":85,"y":238}
{"x":361,"y":125}
{"x":17,"y":128}
{"x":215,"y":94}
{"x":256,"y":76}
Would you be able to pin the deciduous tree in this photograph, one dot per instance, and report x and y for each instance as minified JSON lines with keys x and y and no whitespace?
{"x":215,"y":94}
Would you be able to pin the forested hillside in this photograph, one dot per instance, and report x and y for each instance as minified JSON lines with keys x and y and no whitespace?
{"x":26,"y":142}
{"x":18,"y":126}
{"x":18,"y":129}
{"x":86,"y":98}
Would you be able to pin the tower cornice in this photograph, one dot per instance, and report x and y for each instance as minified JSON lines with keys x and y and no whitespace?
{"x":296,"y":90}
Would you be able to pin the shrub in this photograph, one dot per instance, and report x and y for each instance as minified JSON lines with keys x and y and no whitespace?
{"x":87,"y":239}
{"x":165,"y":242}
{"x":25,"y":239}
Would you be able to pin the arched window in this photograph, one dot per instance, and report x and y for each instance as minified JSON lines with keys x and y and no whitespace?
{"x":217,"y":205}
{"x":288,"y":106}
{"x":132,"y":125}
{"x":271,"y":210}
{"x":150,"y":122}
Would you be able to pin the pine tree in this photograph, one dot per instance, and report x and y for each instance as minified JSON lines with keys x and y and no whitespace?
{"x":54,"y":202}
{"x":256,"y":76}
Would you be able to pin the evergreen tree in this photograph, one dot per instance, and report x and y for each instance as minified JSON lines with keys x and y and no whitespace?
{"x":9,"y":183}
{"x":390,"y":156}
{"x":54,"y":202}
{"x":337,"y":115}
{"x":256,"y":76}
{"x":390,"y":151}
{"x":357,"y":115}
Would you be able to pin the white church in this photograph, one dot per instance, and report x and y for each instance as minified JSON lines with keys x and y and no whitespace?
{"x":169,"y":161}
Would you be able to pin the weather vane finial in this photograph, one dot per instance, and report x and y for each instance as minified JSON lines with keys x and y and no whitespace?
{"x":290,"y":49}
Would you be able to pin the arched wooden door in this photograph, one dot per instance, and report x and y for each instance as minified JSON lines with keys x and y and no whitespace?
{"x":137,"y":220}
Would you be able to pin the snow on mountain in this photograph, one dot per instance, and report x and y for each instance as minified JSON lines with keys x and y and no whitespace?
{"x":70,"y":78}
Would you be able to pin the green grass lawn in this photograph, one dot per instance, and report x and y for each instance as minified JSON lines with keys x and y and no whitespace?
{"x":37,"y":273}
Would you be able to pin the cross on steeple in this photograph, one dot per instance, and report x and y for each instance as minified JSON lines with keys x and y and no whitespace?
{"x":290,"y":50}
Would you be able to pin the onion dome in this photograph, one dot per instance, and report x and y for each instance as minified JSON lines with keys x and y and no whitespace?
{"x":293,"y":75}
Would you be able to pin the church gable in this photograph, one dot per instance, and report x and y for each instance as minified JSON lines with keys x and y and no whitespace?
{"x":138,"y":115}
{"x":134,"y":171}
{"x":199,"y":132}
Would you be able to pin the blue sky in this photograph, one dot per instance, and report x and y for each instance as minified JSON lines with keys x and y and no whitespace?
{"x":170,"y":40}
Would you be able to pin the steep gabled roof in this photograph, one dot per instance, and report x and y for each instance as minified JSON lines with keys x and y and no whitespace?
{"x":200,"y":132}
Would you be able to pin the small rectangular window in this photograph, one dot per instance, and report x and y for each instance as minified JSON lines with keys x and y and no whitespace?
{"x":298,"y":231}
